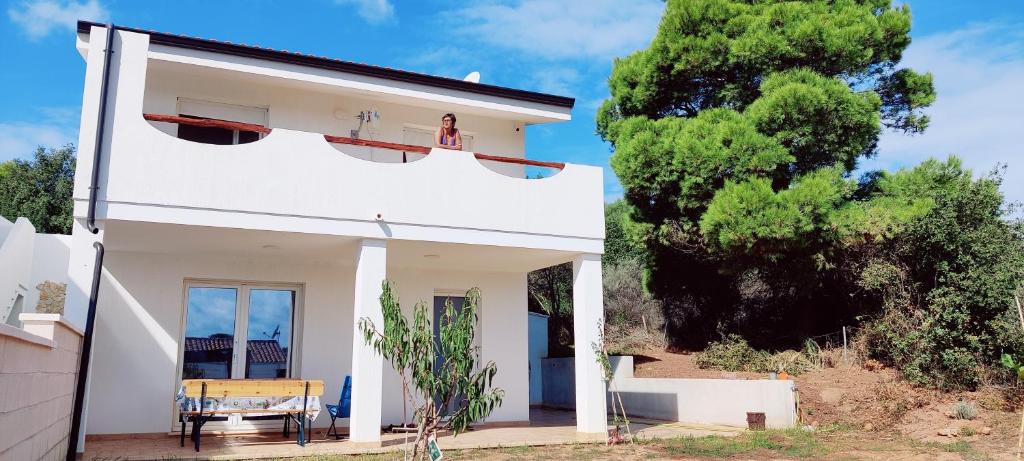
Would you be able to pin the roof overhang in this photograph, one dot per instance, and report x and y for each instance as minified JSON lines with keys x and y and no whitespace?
{"x":186,"y":48}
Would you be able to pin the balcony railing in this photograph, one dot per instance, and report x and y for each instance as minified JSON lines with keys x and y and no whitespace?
{"x":214,"y":123}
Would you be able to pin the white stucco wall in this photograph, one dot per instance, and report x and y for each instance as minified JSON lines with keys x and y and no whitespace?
{"x":324,"y":112}
{"x":50,"y":255}
{"x":502,"y":334}
{"x":139,"y":329}
{"x":298,"y":175}
{"x":15,"y":267}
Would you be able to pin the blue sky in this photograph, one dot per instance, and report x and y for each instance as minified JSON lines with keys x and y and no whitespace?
{"x":975,"y":49}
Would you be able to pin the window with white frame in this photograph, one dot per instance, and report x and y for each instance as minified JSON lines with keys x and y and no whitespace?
{"x":191,"y":108}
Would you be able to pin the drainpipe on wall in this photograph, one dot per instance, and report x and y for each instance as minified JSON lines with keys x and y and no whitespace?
{"x":86,"y":351}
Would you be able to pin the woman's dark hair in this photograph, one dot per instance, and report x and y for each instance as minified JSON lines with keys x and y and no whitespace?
{"x":451,"y":116}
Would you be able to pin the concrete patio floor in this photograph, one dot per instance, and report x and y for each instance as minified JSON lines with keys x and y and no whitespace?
{"x":547,"y":427}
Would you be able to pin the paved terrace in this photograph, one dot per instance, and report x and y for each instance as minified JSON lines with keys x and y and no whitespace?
{"x":547,"y":427}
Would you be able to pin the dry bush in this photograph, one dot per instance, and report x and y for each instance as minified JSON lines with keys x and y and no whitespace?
{"x":633,"y":319}
{"x":824,"y":357}
{"x":895,"y":399}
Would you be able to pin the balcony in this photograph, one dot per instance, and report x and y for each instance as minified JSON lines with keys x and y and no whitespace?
{"x":295,"y":175}
{"x":303,"y":174}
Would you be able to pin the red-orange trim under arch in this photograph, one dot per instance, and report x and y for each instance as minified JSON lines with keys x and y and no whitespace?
{"x":214,"y":123}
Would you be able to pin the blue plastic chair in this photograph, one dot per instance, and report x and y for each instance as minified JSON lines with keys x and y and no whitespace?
{"x":342,"y":409}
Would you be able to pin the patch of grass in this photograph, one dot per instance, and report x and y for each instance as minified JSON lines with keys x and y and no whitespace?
{"x":961,"y":447}
{"x":832,"y":428}
{"x":791,"y":442}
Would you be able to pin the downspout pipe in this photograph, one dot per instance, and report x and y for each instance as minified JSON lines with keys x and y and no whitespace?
{"x":97,"y":271}
{"x":83,"y":363}
{"x":101,"y":123}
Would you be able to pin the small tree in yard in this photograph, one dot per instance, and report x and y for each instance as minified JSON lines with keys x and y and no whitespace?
{"x":451,"y":391}
{"x":619,"y":417}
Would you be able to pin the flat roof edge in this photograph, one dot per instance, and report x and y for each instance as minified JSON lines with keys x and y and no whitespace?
{"x":267,"y":54}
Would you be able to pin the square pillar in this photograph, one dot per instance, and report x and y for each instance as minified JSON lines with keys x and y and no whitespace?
{"x":588,"y":319}
{"x":367,"y":364}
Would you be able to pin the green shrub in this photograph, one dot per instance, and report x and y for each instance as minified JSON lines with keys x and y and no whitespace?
{"x":946,"y":284}
{"x":732,"y":354}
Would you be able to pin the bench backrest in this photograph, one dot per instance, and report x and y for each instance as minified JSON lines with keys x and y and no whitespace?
{"x":253,"y":387}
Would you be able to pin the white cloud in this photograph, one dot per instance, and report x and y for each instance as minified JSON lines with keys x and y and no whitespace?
{"x":54,"y":127}
{"x":20,"y":140}
{"x":555,"y":80}
{"x":40,"y":17}
{"x":558,"y":29}
{"x":373,"y":11}
{"x":978,"y":114}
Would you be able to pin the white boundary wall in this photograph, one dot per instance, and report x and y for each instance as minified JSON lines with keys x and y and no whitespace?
{"x":700,"y":401}
{"x":26,"y":260}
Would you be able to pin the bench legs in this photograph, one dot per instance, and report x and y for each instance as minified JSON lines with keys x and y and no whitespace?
{"x":301,"y":421}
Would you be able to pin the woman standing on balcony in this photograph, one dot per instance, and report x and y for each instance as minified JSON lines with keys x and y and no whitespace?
{"x":447,"y":136}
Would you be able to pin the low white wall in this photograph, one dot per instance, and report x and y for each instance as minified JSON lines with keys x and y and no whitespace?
{"x":26,"y":260}
{"x":16,"y":268}
{"x":701,"y":401}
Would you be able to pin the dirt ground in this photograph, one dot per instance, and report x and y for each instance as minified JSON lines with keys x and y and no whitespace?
{"x":876,"y":404}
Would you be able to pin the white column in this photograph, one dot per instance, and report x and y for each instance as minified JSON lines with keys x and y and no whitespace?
{"x":367,"y":365}
{"x":588,"y":316}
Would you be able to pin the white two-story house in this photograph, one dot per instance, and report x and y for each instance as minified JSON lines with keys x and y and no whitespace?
{"x":238,"y":208}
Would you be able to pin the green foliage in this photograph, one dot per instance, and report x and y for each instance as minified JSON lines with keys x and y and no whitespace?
{"x":946,"y":283}
{"x":619,"y":247}
{"x":453,"y":393}
{"x":550,"y":292}
{"x":40,"y":189}
{"x":732,"y":353}
{"x":735,"y":135}
{"x":818,"y":119}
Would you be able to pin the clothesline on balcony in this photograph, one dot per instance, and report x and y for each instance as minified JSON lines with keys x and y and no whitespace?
{"x":214,"y":123}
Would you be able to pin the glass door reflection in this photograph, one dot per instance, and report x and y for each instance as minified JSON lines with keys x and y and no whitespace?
{"x":268,"y":336}
{"x":210,"y":333}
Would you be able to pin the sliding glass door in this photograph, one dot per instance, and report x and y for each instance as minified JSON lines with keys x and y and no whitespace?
{"x":238,"y":331}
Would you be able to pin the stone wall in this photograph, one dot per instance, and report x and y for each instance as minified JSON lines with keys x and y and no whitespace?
{"x":38,"y":366}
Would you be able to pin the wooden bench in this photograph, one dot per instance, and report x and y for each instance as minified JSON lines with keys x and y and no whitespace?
{"x":242,"y":388}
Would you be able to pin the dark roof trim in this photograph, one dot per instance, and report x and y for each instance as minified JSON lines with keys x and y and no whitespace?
{"x":268,"y":54}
